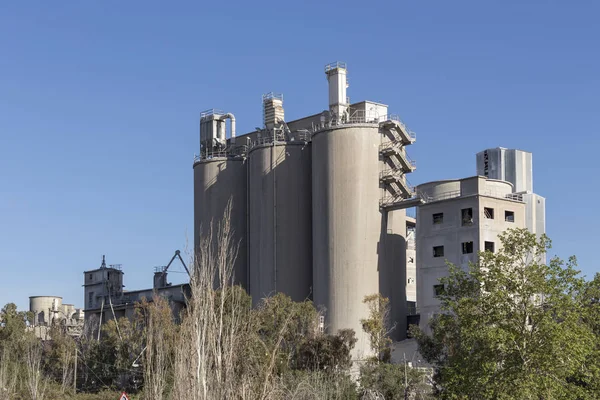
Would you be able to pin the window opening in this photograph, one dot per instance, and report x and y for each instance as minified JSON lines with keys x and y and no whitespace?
{"x":438,"y":290}
{"x":438,"y":218}
{"x":467,"y":216}
{"x":509,"y":216}
{"x":488,"y":212}
{"x":438,"y":251}
{"x":489,"y":246}
{"x":467,"y":247}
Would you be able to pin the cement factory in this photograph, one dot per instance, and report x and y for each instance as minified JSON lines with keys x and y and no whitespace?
{"x":318,"y":207}
{"x":317,"y":203}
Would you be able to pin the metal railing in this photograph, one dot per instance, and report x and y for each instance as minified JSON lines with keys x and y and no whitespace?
{"x":396,"y":118}
{"x":398,"y":149}
{"x":390,"y":172}
{"x":362,"y":117}
{"x":514,"y":196}
{"x":334,"y":65}
{"x":211,"y":111}
{"x":210,"y":155}
{"x":272,"y":95}
{"x":457,"y":193}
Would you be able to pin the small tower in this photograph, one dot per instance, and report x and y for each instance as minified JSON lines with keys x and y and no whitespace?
{"x":100,"y":283}
{"x":338,"y":83}
{"x":273,"y":114}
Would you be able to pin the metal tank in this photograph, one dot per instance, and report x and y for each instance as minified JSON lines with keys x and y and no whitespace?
{"x":45,"y":309}
{"x":346,"y":225}
{"x":280,"y":203}
{"x":216,"y":181}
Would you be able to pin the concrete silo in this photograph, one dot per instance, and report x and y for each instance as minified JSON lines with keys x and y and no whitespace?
{"x":346,"y":224}
{"x":220,"y":176}
{"x":45,"y":309}
{"x":280,"y":202}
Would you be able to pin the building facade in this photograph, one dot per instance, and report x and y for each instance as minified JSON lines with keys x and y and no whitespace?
{"x":459,"y":218}
{"x":105,"y":298}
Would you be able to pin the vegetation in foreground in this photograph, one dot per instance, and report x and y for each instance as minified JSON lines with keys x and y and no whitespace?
{"x":221,"y":348}
{"x":511,"y":327}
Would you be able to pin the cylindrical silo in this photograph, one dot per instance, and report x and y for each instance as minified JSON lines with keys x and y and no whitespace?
{"x":346,"y":225}
{"x":216,"y":181}
{"x":68,"y":311}
{"x":392,"y":269}
{"x":280,"y":238}
{"x":45,"y":309}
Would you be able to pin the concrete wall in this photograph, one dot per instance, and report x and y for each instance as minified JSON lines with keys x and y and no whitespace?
{"x":216,"y":181}
{"x":392,"y":268}
{"x":45,"y":309}
{"x":98,"y":282}
{"x":346,"y":225}
{"x":451,"y":233}
{"x":280,"y":210}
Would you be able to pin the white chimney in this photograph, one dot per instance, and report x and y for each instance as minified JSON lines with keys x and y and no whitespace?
{"x":336,"y":76}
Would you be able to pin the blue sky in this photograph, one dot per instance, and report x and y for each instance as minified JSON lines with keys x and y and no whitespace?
{"x":99,"y":105}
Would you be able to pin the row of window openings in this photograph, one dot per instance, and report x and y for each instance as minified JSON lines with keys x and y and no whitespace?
{"x":467,"y":216}
{"x":467,"y":248}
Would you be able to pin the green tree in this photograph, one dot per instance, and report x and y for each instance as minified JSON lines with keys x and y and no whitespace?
{"x":511,"y":326}
{"x":377,"y":326}
{"x":12,"y":325}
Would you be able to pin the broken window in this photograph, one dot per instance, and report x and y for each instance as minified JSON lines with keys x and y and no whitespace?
{"x":488,"y":212}
{"x":467,"y":247}
{"x":438,"y":218}
{"x":467,"y":216}
{"x":438,"y":251}
{"x":509,"y":216}
{"x":489,"y":246}
{"x":438,"y":290}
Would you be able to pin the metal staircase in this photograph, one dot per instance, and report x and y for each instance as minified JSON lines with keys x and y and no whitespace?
{"x":398,"y":193}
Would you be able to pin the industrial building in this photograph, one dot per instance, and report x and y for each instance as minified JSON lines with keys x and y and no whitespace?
{"x":105,"y":298}
{"x":318,"y":203}
{"x":516,"y":167}
{"x":50,"y":310}
{"x":458,"y":218}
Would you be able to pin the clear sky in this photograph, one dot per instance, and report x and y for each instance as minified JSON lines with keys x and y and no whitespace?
{"x":100,"y":100}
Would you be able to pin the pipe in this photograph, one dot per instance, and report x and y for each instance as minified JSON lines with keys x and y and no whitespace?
{"x":232,"y":119}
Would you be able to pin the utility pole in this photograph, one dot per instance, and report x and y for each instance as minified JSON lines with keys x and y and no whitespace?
{"x":405,"y":380}
{"x":75,"y":372}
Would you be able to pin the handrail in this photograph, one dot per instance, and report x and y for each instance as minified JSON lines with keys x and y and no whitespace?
{"x":334,"y":65}
{"x":272,"y":95}
{"x":457,"y":193}
{"x":211,"y":111}
{"x":211,"y":155}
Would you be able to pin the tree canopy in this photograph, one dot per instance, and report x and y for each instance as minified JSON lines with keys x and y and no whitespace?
{"x":512,"y":325}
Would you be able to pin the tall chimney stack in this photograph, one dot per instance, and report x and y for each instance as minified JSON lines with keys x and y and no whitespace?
{"x":336,"y":76}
